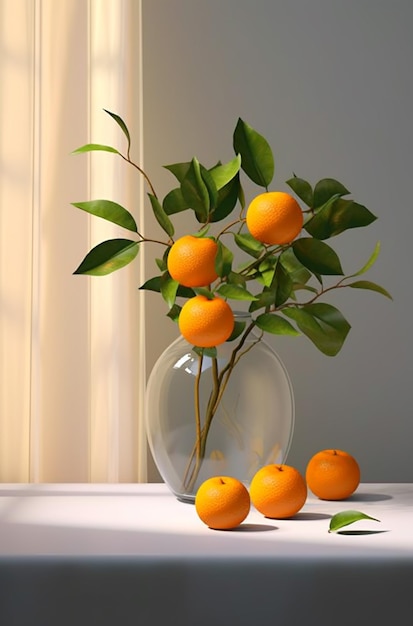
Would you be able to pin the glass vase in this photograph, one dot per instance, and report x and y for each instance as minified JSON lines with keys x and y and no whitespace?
{"x":209,"y":415}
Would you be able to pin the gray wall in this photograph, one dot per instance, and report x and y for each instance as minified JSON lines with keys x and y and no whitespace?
{"x":329,"y":83}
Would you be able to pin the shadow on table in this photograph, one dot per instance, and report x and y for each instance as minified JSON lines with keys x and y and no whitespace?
{"x":253,"y":528}
{"x":360,"y":532}
{"x":368,"y":497}
{"x":303,"y":516}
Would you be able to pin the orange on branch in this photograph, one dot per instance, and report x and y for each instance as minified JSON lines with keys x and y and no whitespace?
{"x":274,"y":217}
{"x":206,"y":322}
{"x":191,"y":261}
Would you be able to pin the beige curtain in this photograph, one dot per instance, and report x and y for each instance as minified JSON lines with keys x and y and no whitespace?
{"x":71,"y":347}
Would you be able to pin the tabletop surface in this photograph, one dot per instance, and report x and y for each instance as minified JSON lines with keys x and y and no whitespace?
{"x":146,"y":520}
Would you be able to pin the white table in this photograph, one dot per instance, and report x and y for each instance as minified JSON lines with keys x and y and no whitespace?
{"x":132,"y":554}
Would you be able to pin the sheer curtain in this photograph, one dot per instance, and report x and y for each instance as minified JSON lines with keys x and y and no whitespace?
{"x":72,"y":348}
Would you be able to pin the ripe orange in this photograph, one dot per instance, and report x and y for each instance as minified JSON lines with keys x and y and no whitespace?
{"x":278,"y":491}
{"x":332,"y":474}
{"x":206,"y":322}
{"x":191,"y":261}
{"x":274,"y":217}
{"x":222,"y":502}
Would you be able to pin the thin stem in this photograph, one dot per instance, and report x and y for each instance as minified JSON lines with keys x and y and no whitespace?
{"x":145,"y":240}
{"x":196,"y":401}
{"x":257,"y":262}
{"x":229,"y":226}
{"x":140,"y":170}
{"x":198,"y":451}
{"x":215,"y":379}
{"x":231,"y":362}
{"x":197,"y":447}
{"x":322,"y":292}
{"x":227,"y":371}
{"x":220,"y":381}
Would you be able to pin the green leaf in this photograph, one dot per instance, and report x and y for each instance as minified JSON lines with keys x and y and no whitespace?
{"x":108,"y":257}
{"x":154,"y":284}
{"x":110,"y":211}
{"x":281,"y":285}
{"x":249,"y":244}
{"x":122,"y":125}
{"x":366,"y":284}
{"x":336,"y":216}
{"x":161,"y":216}
{"x":320,"y":225}
{"x":302,"y":188}
{"x":211,"y":187}
{"x":296,"y":270}
{"x":326,"y":189}
{"x":174,"y":202}
{"x":204,"y":291}
{"x":275,"y":324}
{"x":370,"y":262}
{"x":162,"y":265}
{"x":169,"y":289}
{"x":265,"y":273}
{"x":241,"y":196}
{"x":237,"y":331}
{"x":235,"y":292}
{"x":179,"y":170}
{"x":93,"y":147}
{"x":236,"y":279}
{"x":317,"y":256}
{"x":196,"y":190}
{"x":212,"y":353}
{"x":202,"y":232}
{"x":344,"y":518}
{"x":174,"y":312}
{"x":223,"y":260}
{"x":264,"y":299}
{"x":226,"y":201}
{"x":257,"y":159}
{"x":223,"y":174}
{"x":323,"y":324}
{"x":298,"y":286}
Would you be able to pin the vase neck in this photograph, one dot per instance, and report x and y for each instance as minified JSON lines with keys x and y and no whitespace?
{"x":242,"y":316}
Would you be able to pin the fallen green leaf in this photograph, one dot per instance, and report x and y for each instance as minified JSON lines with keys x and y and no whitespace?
{"x":344,"y":518}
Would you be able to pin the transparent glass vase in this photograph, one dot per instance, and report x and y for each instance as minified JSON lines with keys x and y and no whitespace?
{"x":225,"y":415}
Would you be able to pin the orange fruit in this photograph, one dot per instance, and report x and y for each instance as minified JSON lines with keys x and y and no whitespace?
{"x":206,"y":322}
{"x":278,"y":491}
{"x":274,"y":217}
{"x":332,"y":474}
{"x":191,"y":261}
{"x":222,"y":502}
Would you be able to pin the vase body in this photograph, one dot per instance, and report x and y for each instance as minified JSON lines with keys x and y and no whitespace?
{"x":251,"y":426}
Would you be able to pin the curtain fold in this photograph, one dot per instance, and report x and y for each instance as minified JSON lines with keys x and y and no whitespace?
{"x":72,"y":371}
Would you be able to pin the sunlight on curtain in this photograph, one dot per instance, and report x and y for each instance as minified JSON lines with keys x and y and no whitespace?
{"x":71,"y":348}
{"x":114,"y":299}
{"x":16,"y":71}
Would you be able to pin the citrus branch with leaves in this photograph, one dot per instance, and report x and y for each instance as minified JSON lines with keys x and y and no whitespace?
{"x":284,"y":282}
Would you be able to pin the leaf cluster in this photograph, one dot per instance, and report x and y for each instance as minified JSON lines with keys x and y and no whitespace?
{"x":284,"y":284}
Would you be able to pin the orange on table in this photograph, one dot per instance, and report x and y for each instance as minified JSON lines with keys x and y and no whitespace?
{"x":278,"y":491}
{"x":222,"y":502}
{"x":274,"y":217}
{"x":332,"y":474}
{"x":206,"y":322}
{"x":191,"y":261}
